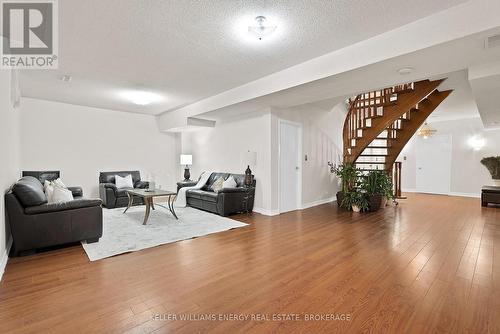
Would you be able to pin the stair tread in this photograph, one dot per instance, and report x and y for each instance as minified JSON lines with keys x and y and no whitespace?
{"x":373,"y":155}
{"x":371,"y":162}
{"x":377,"y":147}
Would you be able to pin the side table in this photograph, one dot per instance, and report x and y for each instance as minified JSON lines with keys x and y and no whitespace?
{"x":249,"y":191}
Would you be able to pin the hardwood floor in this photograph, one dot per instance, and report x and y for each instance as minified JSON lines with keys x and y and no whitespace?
{"x":431,"y":264}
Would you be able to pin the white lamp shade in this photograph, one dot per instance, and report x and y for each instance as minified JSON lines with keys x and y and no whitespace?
{"x":186,"y":159}
{"x":251,"y":158}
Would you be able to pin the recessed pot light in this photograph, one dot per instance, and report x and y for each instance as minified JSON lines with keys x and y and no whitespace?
{"x":405,"y":70}
{"x":65,"y":78}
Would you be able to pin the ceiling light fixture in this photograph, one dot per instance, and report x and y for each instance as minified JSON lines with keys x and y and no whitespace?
{"x":405,"y":70}
{"x":141,"y":98}
{"x":261,"y":30}
{"x":426,"y":131}
{"x":476,"y":143}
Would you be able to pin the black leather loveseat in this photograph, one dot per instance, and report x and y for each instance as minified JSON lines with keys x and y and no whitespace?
{"x":34,"y":223}
{"x":225,"y":202}
{"x":113,"y":197}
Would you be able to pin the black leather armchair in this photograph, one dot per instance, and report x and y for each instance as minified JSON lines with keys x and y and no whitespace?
{"x":36,"y":224}
{"x":225,"y":202}
{"x":113,"y":197}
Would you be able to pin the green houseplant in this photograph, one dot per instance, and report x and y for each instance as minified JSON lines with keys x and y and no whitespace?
{"x":387,"y":189}
{"x":493,"y":166}
{"x":355,"y":200}
{"x":348,"y":176}
{"x":374,"y":185}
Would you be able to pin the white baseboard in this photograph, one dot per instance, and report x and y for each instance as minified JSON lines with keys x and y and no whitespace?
{"x":5,"y":258}
{"x":319,"y":202}
{"x":266,"y":212}
{"x":474,"y":195}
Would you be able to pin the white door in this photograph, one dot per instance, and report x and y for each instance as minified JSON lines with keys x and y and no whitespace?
{"x":433,"y":157}
{"x":290,"y":169}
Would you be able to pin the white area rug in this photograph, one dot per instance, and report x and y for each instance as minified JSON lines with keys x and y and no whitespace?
{"x":124,"y":233}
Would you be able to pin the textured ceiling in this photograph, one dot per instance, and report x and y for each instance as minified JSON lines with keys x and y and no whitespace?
{"x":189,"y":50}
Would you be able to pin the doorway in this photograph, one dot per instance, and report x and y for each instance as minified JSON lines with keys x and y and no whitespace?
{"x":433,"y":160}
{"x":290,"y":166}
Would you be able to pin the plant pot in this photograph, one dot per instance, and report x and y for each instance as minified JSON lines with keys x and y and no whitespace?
{"x":356,"y":208}
{"x":374,"y":202}
{"x":496,"y":182}
{"x":340,"y":198}
{"x":385,"y":200}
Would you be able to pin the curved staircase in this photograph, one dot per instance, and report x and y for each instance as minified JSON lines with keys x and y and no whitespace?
{"x":380,"y":123}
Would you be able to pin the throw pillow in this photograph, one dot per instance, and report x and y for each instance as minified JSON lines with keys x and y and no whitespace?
{"x":61,"y":195}
{"x":48,"y":188}
{"x":218,"y":185}
{"x":124,"y":182}
{"x":229,"y":183}
{"x":59,"y":183}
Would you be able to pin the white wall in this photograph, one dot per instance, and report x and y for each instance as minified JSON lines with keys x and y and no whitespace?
{"x":9,"y":153}
{"x":220,"y":149}
{"x":467,"y":174}
{"x":82,"y":141}
{"x":321,"y":142}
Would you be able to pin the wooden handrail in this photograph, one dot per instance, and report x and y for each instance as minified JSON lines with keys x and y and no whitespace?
{"x":366,"y":106}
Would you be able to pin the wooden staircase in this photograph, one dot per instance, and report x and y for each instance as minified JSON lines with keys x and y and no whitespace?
{"x":380,"y":123}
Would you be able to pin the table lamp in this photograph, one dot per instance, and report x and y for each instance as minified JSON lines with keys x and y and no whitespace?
{"x":186,"y":160}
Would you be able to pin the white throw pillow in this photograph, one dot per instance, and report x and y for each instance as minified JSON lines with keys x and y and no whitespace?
{"x":217,"y":185}
{"x":59,"y":183}
{"x":48,"y":188}
{"x":61,"y":195}
{"x":124,"y":182}
{"x":229,"y":183}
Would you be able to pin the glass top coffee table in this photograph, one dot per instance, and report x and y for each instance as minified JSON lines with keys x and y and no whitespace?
{"x":148,"y":196}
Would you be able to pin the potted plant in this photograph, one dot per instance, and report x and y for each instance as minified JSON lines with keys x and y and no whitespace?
{"x":348,"y":176}
{"x":387,"y":189}
{"x":373,"y":186}
{"x":493,"y":166}
{"x":355,"y":200}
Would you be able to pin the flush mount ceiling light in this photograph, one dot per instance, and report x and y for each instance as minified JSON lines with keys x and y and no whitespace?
{"x":426,"y":131}
{"x":141,"y":98}
{"x":261,"y":30}
{"x":405,"y":70}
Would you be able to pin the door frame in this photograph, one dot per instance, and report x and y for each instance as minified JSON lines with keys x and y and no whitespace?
{"x":299,"y":157}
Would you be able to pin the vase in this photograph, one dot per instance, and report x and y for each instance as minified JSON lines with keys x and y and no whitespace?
{"x":374,"y":202}
{"x":356,"y":208}
{"x":340,"y":198}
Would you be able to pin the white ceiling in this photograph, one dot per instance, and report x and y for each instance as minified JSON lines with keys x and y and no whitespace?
{"x":448,"y":60}
{"x":189,"y":50}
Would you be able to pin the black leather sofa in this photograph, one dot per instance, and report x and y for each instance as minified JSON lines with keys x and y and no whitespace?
{"x":36,"y":224}
{"x":113,"y":197}
{"x":43,"y":176}
{"x":225,"y":202}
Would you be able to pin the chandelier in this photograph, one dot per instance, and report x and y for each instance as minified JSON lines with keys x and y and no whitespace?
{"x":426,"y":131}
